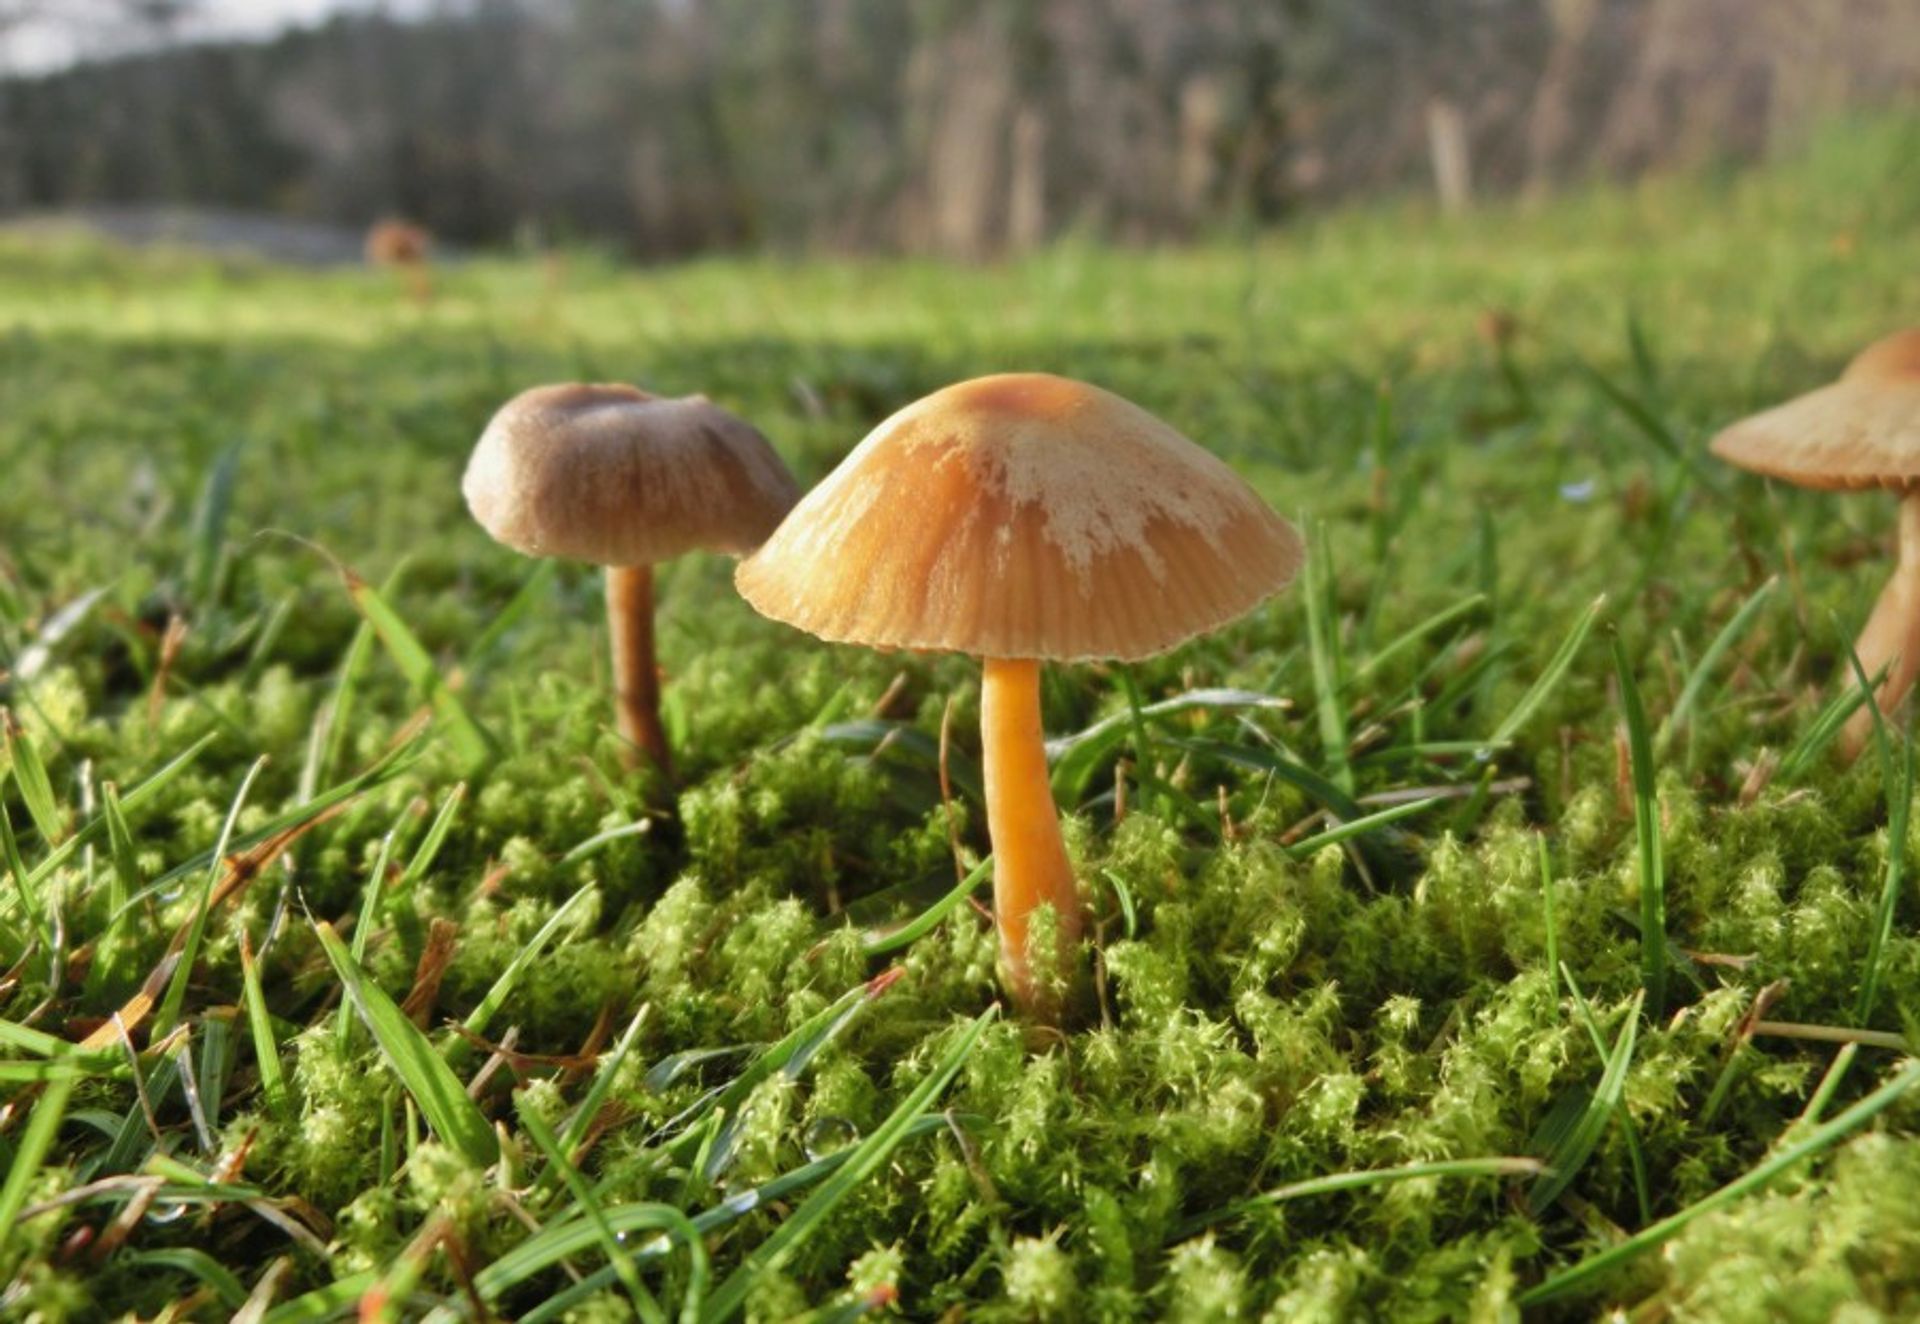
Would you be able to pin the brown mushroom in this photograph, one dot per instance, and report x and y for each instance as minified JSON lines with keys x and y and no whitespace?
{"x":610,"y":475}
{"x":1019,"y":519}
{"x":1862,"y":431}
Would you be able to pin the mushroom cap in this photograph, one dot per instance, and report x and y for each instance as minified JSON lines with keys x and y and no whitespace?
{"x":614,"y":476}
{"x":1023,"y":516}
{"x":1861,"y":431}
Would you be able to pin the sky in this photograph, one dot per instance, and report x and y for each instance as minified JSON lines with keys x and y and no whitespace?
{"x":69,"y":30}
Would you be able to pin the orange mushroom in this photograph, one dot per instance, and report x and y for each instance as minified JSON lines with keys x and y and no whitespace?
{"x":1862,"y":431}
{"x":613,"y":476}
{"x":1019,"y":519}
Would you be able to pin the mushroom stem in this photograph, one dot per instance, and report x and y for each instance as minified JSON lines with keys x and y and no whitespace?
{"x":636,"y":676}
{"x":1892,"y":636}
{"x":1030,"y":866}
{"x":419,"y":283}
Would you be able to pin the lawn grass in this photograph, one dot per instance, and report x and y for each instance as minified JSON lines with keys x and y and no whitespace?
{"x":344,"y":965}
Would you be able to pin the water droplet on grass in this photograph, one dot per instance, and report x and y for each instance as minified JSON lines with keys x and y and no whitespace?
{"x":829,"y":1135}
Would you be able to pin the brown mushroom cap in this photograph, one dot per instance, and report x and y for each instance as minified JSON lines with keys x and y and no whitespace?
{"x":1862,"y":431}
{"x":614,"y":476}
{"x":1023,"y":516}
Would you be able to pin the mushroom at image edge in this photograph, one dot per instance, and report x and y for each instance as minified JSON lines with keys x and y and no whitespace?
{"x":1019,"y":519}
{"x":610,"y":475}
{"x":1862,"y":431}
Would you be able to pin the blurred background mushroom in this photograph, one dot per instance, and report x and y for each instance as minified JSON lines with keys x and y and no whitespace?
{"x":1862,"y":431}
{"x":1023,"y":518}
{"x":612,"y":476}
{"x":403,"y":247}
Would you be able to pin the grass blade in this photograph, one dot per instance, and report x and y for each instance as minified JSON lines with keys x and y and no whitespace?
{"x":878,"y":942}
{"x":139,"y":795}
{"x":216,"y":1065}
{"x":1359,"y":826}
{"x":1645,"y":370}
{"x":1650,"y":425}
{"x":1323,"y":647}
{"x":331,"y":723}
{"x":426,"y":1076}
{"x":1550,"y":678}
{"x":10,"y":856}
{"x":1329,"y":796}
{"x":1682,"y":713}
{"x":510,"y":615}
{"x":195,"y":1264}
{"x":1636,"y":1156}
{"x":1826,"y":726}
{"x":1351,"y":1181}
{"x":1646,"y":826}
{"x":604,"y":1072}
{"x":791,"y":1055}
{"x":123,"y":883}
{"x":429,"y":848}
{"x":1899,"y":806}
{"x":898,"y":744}
{"x":176,"y":997}
{"x":1577,"y":1145}
{"x":1145,"y":764}
{"x":1440,"y":620}
{"x":471,"y":741}
{"x":30,"y":775}
{"x":1890,"y":890}
{"x":565,"y":1239}
{"x":332,"y":1301}
{"x":208,"y":545}
{"x":33,"y":659}
{"x":42,"y":1125}
{"x":1075,"y":758}
{"x":623,"y":1267}
{"x":483,"y":1013}
{"x":389,"y":766}
{"x":363,"y":926}
{"x":865,"y":1159}
{"x":26,"y":1039}
{"x":266,"y":1049}
{"x":1547,"y":905}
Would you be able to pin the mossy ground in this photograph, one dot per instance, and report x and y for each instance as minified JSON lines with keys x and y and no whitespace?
{"x":1260,"y":1012}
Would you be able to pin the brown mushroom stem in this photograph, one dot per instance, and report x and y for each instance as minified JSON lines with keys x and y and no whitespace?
{"x":636,"y":676}
{"x":1892,"y":636}
{"x":1030,"y":865}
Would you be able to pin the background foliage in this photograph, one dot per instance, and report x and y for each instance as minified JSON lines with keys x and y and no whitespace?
{"x":673,"y":126}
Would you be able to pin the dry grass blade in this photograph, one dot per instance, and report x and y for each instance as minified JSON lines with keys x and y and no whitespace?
{"x":443,"y":940}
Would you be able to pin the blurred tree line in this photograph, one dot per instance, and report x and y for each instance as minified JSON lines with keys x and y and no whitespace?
{"x":962,"y":127}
